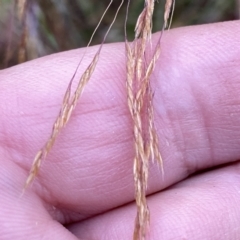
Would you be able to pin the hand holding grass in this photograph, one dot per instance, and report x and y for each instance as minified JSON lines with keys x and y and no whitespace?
{"x":86,"y":182}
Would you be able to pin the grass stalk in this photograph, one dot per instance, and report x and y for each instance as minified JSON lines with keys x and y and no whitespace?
{"x":140,"y":105}
{"x":69,"y":103}
{"x":139,"y":99}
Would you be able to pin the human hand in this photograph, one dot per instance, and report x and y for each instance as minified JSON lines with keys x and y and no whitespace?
{"x":85,"y":188}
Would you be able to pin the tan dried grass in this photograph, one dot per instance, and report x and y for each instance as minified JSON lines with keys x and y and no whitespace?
{"x":168,"y":13}
{"x":69,"y":103}
{"x":140,"y":105}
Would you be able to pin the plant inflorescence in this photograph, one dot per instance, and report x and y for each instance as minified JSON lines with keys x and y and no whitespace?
{"x":139,"y":68}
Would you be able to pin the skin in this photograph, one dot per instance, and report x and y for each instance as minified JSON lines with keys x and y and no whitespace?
{"x":84,"y":189}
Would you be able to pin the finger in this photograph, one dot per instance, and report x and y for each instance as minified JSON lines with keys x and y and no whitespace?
{"x":90,"y":167}
{"x":202,"y":207}
{"x":25,"y":216}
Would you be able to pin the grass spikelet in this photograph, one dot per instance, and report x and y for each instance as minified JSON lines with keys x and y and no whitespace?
{"x":140,"y":106}
{"x":68,"y":104}
{"x":64,"y":115}
{"x":169,"y":9}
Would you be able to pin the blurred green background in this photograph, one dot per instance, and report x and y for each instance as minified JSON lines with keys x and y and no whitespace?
{"x":59,"y":25}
